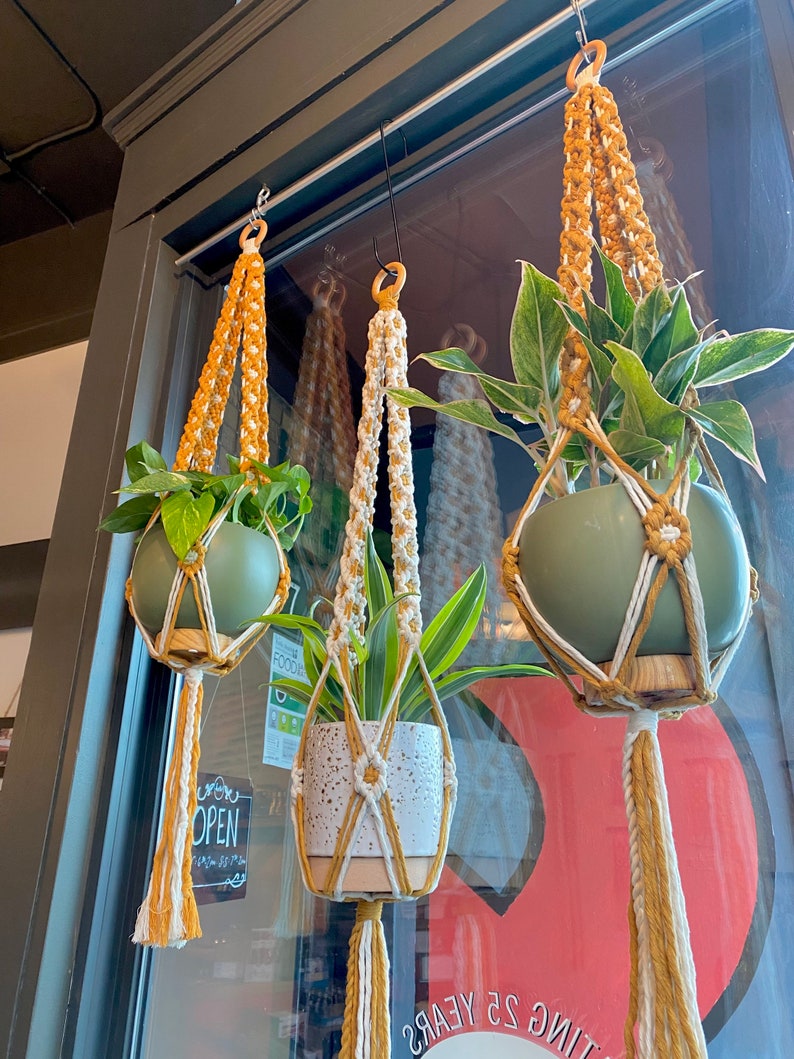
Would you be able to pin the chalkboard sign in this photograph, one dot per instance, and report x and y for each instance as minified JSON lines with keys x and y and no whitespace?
{"x":221,"y":827}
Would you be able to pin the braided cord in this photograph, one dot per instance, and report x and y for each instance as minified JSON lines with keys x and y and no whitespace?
{"x":242,"y":318}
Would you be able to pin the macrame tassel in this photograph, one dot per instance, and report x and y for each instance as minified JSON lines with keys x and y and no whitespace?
{"x":168,"y":915}
{"x":663,"y":1003}
{"x":366,"y":1030}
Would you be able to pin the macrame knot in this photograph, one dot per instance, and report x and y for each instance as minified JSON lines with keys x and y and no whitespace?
{"x":194,"y":560}
{"x":642,"y":721}
{"x":668,"y":532}
{"x":574,"y":407}
{"x":387,"y":299}
{"x":370,"y":776}
{"x":613,"y":689}
{"x":368,"y":911}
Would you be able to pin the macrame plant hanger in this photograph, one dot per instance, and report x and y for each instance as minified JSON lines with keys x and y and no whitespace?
{"x":462,"y":478}
{"x":323,"y":410}
{"x":323,"y":433}
{"x":366,"y":1030}
{"x":168,"y":915}
{"x":663,"y":1020}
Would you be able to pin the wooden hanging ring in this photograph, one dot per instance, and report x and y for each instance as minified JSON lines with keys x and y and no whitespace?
{"x":323,"y":290}
{"x":338,"y":297}
{"x":261,"y":231}
{"x":471,"y":343}
{"x":595,"y":47}
{"x":396,"y":287}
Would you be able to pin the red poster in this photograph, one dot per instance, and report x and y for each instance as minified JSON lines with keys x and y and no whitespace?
{"x":544,"y":969}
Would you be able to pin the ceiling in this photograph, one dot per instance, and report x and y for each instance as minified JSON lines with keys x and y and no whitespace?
{"x":63,"y":66}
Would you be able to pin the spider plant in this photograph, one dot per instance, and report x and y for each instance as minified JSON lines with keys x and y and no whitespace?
{"x":375,"y":656}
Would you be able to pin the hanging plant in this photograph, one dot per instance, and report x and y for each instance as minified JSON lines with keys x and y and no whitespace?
{"x":242,"y":565}
{"x":212,"y":556}
{"x":634,"y":577}
{"x":373,"y":785}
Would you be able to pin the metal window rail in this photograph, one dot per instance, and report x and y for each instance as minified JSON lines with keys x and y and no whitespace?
{"x":433,"y":100}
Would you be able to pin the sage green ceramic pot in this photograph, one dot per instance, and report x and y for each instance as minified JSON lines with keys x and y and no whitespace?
{"x":579,"y":557}
{"x":242,"y":572}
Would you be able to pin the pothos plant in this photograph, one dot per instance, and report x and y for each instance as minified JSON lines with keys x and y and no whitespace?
{"x":649,"y":365}
{"x":189,"y":500}
{"x":376,"y":654}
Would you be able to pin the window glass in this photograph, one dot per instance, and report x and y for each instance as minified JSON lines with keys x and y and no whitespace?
{"x":526,"y":936}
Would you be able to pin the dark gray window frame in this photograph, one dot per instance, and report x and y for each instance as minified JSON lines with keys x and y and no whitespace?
{"x":61,"y":787}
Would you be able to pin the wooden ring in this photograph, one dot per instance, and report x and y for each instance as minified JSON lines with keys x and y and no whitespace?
{"x":323,"y":290}
{"x":396,"y":287}
{"x":599,"y":50}
{"x":261,"y":232}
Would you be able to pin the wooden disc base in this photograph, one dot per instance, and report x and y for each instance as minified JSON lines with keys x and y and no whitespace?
{"x":190,"y":645}
{"x":368,"y":874}
{"x":655,"y":678}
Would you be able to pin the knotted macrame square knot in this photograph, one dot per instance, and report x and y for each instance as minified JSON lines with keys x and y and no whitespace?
{"x":194,"y":560}
{"x":668,"y":532}
{"x":370,"y":771}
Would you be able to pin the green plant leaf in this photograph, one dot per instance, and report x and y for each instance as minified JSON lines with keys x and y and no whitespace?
{"x":379,"y":672}
{"x":537,"y":331}
{"x":446,"y":636}
{"x":677,"y":333}
{"x":295,"y":688}
{"x":184,"y":519}
{"x":142,"y":459}
{"x":131,"y":516}
{"x":649,"y":316}
{"x":636,"y":449}
{"x":726,"y":359}
{"x":310,"y":629}
{"x":517,"y":398}
{"x":678,"y":372}
{"x":619,"y":303}
{"x":600,"y":324}
{"x":660,"y":419}
{"x":575,"y":318}
{"x":455,"y":683}
{"x":476,"y":412}
{"x":377,"y":587}
{"x":224,"y":486}
{"x":159,"y":482}
{"x":728,"y":422}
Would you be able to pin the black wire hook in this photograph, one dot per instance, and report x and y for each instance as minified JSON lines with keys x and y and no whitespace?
{"x":390,"y":187}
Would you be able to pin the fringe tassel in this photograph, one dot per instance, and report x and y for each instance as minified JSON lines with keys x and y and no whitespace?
{"x":663,"y":999}
{"x":366,"y":1030}
{"x":168,"y":915}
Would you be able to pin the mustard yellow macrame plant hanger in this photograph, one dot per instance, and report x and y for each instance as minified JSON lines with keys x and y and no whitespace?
{"x":599,"y":173}
{"x":168,"y":915}
{"x":663,"y":1020}
{"x":366,"y":1031}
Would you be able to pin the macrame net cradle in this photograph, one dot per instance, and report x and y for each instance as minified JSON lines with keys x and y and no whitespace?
{"x":663,"y":1020}
{"x":366,"y":1028}
{"x":168,"y":915}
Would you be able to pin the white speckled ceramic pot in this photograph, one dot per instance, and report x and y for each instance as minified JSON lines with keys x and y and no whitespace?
{"x":415,"y":780}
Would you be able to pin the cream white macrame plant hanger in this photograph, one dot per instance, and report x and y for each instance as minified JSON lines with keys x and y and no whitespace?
{"x":366,"y":1031}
